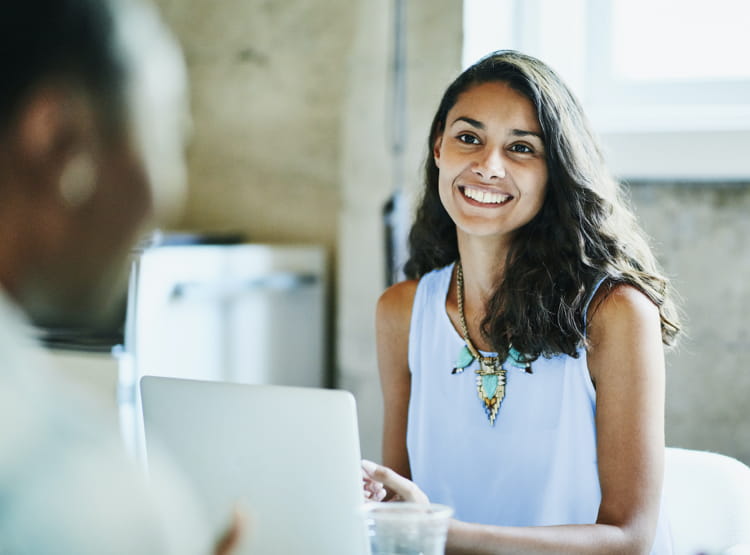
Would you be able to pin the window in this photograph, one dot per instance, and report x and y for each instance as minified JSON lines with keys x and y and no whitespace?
{"x":668,"y":65}
{"x":672,"y":74}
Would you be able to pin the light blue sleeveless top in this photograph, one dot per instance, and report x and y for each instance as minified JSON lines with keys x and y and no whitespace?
{"x":536,"y":466}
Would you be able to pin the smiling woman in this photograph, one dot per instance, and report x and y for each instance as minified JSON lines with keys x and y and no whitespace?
{"x":522,"y":364}
{"x":493,"y":172}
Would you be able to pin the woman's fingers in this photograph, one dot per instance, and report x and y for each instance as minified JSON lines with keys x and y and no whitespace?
{"x":403,"y":488}
{"x":374,"y":491}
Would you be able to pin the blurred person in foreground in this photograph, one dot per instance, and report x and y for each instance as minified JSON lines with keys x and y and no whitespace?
{"x":92,"y":118}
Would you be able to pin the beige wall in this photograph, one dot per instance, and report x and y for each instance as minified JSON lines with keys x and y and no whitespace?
{"x":267,"y":84}
{"x":700,"y":233}
{"x":290,"y":102}
{"x":291,"y":142}
{"x":433,"y":59}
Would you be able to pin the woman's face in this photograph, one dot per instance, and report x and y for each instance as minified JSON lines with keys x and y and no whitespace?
{"x":492,"y":162}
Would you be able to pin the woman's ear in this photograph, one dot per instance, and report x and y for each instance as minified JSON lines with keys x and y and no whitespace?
{"x":436,"y":149}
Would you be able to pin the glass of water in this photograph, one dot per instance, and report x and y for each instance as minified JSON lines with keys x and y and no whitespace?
{"x":407,"y":528}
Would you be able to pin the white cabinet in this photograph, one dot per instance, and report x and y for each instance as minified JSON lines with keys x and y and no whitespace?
{"x":242,"y":313}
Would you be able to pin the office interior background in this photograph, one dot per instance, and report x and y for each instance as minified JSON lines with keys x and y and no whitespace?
{"x":309,"y":114}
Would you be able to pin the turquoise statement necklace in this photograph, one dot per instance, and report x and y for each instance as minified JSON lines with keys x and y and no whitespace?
{"x":491,"y":373}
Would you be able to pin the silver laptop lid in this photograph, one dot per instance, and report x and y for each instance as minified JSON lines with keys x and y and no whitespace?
{"x":289,"y":456}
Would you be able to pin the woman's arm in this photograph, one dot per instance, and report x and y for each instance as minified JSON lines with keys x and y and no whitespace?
{"x":626,"y":362}
{"x":393,"y":319}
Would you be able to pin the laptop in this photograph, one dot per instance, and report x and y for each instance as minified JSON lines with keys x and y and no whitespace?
{"x":289,"y":455}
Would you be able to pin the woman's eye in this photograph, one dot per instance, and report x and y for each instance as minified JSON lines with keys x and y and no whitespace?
{"x":468,"y":139}
{"x":523,"y":149}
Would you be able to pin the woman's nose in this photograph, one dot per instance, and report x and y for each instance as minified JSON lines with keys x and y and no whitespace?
{"x":490,"y":165}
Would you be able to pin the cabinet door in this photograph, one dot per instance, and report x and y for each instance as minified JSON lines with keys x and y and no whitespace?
{"x":246,"y":313}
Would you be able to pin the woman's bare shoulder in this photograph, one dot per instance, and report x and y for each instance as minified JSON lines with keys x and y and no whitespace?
{"x":620,"y":303}
{"x":624,"y":331}
{"x":396,"y":302}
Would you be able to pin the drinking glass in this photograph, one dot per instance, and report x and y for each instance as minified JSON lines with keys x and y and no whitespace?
{"x":407,"y":528}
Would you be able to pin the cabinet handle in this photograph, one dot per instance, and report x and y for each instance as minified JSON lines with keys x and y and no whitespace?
{"x":222,"y":290}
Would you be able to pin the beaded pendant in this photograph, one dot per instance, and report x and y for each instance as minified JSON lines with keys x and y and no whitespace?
{"x":490,"y":377}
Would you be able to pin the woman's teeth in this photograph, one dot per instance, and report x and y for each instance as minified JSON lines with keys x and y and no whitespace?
{"x":486,"y":197}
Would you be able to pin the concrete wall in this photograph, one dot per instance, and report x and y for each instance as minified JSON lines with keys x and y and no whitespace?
{"x":433,"y":59}
{"x":700,"y":233}
{"x":267,"y":83}
{"x":291,"y":143}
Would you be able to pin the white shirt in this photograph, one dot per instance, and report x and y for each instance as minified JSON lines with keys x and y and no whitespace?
{"x":67,"y":485}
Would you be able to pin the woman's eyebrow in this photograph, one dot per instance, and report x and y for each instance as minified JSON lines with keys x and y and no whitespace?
{"x":470,"y":121}
{"x":514,"y":132}
{"x":524,"y":133}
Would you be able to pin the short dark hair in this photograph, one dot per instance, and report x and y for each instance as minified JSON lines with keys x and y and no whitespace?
{"x":67,"y":40}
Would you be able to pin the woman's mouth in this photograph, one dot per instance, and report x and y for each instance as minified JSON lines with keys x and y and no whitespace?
{"x":483,"y":196}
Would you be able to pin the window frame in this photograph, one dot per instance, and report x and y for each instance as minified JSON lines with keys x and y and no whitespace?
{"x":656,"y":137}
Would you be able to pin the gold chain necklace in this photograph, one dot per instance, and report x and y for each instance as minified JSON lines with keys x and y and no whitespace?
{"x":491,"y":373}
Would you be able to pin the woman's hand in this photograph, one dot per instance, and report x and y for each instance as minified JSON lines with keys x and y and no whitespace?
{"x":380,"y":480}
{"x":372,"y":489}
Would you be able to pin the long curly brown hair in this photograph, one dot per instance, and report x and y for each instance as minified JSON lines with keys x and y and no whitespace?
{"x":584,"y":232}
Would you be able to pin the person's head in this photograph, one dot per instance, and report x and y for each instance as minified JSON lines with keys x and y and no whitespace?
{"x":573,"y":161}
{"x":92,"y":116}
{"x":491,"y":160}
{"x":576,"y":229}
